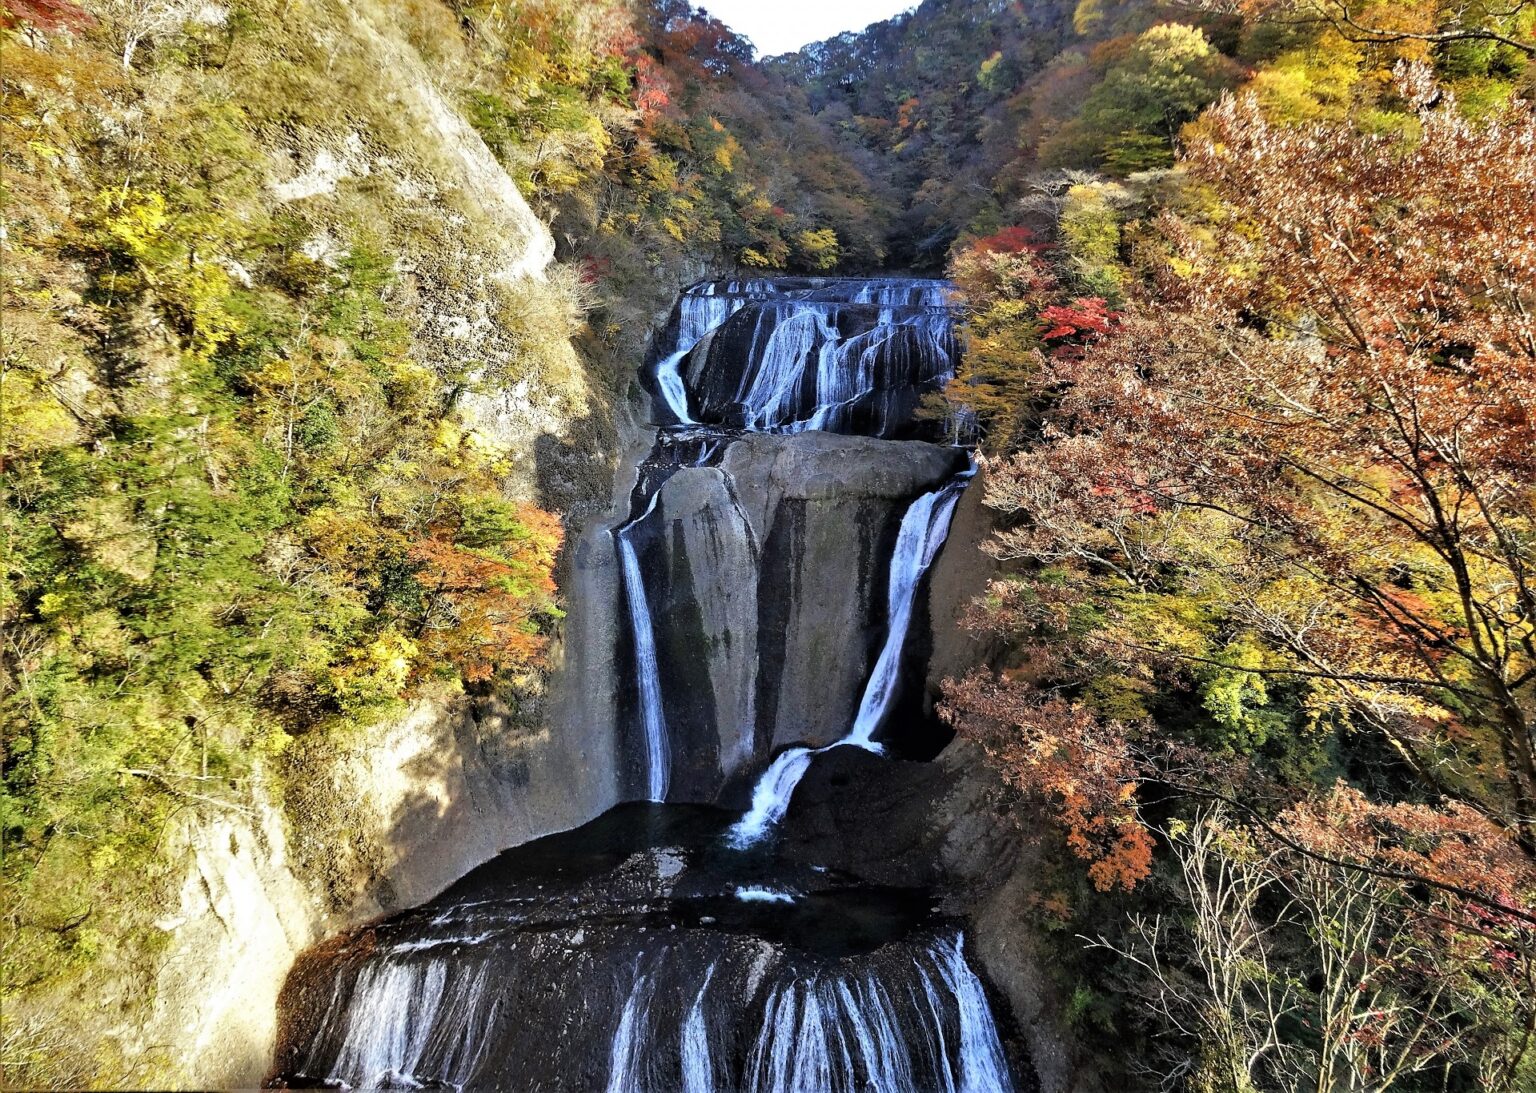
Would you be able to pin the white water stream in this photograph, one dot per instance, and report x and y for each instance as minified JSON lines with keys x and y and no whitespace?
{"x":923,"y":531}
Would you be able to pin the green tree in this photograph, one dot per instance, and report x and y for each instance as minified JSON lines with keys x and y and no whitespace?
{"x":1133,"y":115}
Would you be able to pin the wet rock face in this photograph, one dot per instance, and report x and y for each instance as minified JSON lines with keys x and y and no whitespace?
{"x":791,"y":354}
{"x":852,"y":368}
{"x":870,"y":816}
{"x":639,"y":953}
{"x":765,"y":569}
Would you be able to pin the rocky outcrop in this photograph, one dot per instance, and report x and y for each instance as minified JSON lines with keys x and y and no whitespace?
{"x":184,"y":992}
{"x":399,"y":817}
{"x":959,"y":575}
{"x":765,"y":564}
{"x":380,"y":141}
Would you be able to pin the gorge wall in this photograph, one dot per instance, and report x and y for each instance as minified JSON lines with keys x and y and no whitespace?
{"x":418,"y":804}
{"x":395,"y":812}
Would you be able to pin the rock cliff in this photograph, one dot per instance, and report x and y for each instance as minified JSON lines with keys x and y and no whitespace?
{"x":766,"y":563}
{"x":394,"y":813}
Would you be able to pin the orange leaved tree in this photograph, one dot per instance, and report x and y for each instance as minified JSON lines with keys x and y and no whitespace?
{"x":485,"y":595}
{"x":1297,"y":484}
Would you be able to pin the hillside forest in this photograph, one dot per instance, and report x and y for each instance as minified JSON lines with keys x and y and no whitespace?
{"x":1249,"y":289}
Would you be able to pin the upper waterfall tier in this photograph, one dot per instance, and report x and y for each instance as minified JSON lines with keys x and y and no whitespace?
{"x":792,"y":354}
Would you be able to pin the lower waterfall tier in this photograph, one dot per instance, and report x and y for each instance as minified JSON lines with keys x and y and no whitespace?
{"x":640,"y":953}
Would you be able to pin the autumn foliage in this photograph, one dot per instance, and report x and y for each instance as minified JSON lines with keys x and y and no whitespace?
{"x":482,"y":609}
{"x":1337,"y":384}
{"x":1052,"y":748}
{"x":1277,"y":511}
{"x":44,"y":14}
{"x":1011,"y":240}
{"x":1343,"y":384}
{"x":1085,"y":319}
{"x":1017,"y":305}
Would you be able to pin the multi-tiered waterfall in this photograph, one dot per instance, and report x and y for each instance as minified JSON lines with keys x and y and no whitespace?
{"x":769,"y":566}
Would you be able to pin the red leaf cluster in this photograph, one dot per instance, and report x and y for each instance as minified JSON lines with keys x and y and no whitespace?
{"x":1066,"y":756}
{"x":1085,"y":318}
{"x":45,"y":14}
{"x":1480,"y":877}
{"x":1012,"y":240}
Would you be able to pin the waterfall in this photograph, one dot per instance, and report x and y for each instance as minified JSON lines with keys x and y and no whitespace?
{"x":875,"y":1025}
{"x":626,"y":1056}
{"x":700,"y":310}
{"x":923,"y":531}
{"x":406,"y":1022}
{"x":800,"y":354}
{"x":784,"y":338}
{"x":670,"y":380}
{"x":632,"y":954}
{"x":845,"y":1027}
{"x":847,"y":1033}
{"x":805,"y":353}
{"x":698,"y":1069}
{"x":770,"y":797}
{"x":986,"y":1068}
{"x":870,"y":368}
{"x":647,"y":673}
{"x":903,"y":293}
{"x":665,"y":1020}
{"x":804,"y":371}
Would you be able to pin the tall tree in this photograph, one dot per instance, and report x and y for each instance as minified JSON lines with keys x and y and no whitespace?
{"x":1304,"y":461}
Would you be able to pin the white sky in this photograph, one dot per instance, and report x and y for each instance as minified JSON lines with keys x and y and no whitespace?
{"x":780,"y":26}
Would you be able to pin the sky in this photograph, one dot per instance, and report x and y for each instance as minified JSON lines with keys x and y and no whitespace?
{"x":781,"y":26}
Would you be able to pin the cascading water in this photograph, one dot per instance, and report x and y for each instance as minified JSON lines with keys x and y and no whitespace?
{"x":645,"y":951}
{"x":658,"y":752}
{"x":770,"y":797}
{"x":841,"y":367}
{"x":699,"y":311}
{"x":808,"y":353}
{"x":618,"y":957}
{"x":698,"y":1067}
{"x":923,"y":531}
